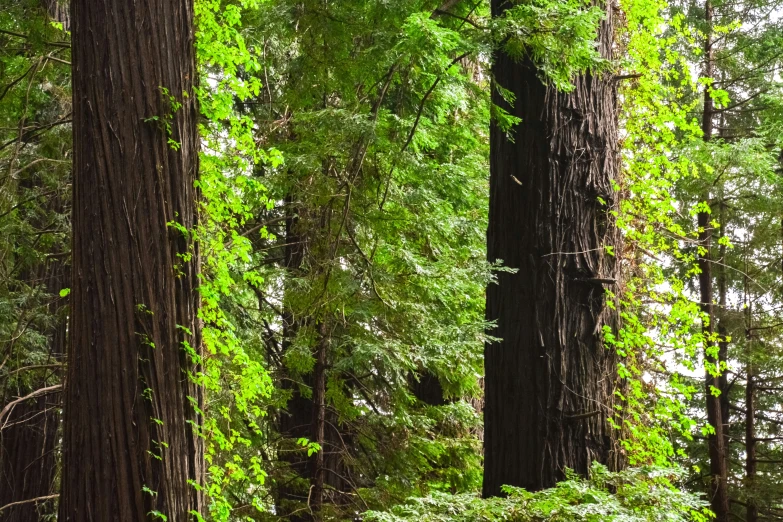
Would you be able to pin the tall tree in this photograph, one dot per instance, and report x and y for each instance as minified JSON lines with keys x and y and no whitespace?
{"x":717,"y":450}
{"x":549,"y":380}
{"x":130,"y":443}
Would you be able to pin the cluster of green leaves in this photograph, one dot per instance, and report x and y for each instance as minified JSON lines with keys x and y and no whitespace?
{"x":34,"y":174}
{"x":390,"y":223}
{"x":558,"y":37}
{"x":672,"y":175}
{"x":660,"y":319}
{"x":234,"y":376}
{"x":634,"y":495}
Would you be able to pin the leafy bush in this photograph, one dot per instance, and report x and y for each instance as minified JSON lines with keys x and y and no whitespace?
{"x":635,"y":495}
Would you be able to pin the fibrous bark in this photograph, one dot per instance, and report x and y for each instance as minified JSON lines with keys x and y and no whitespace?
{"x":59,"y":11}
{"x":130,"y":450}
{"x":549,"y":381}
{"x":28,"y":459}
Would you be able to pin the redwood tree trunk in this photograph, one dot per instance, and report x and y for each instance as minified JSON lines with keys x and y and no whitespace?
{"x":549,"y":381}
{"x":129,"y":442}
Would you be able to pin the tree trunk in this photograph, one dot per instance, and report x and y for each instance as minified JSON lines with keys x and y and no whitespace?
{"x":59,"y":12}
{"x":718,"y":471}
{"x":294,"y":421}
{"x":27,"y":464}
{"x":751,"y":509}
{"x":318,"y":427}
{"x":549,"y":381}
{"x":313,"y":481}
{"x":723,"y":334}
{"x":719,"y":499}
{"x":130,"y":447}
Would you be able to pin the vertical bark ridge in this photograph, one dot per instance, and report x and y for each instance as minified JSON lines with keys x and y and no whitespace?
{"x":129,"y":446}
{"x":549,"y":381}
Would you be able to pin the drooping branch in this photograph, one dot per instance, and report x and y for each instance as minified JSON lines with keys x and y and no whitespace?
{"x":6,"y":411}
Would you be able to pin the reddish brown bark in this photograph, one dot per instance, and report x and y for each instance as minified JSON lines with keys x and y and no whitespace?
{"x":28,"y":460}
{"x":549,"y":382}
{"x":129,"y":446}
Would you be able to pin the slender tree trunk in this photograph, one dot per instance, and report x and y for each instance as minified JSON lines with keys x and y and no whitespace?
{"x":723,"y":344}
{"x":751,"y":511}
{"x":719,"y":499}
{"x":549,"y":382}
{"x":302,"y":494}
{"x":131,"y":450}
{"x":294,"y":422}
{"x":718,"y":471}
{"x":319,"y":418}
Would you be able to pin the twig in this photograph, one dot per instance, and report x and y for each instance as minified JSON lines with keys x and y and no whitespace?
{"x":36,"y":499}
{"x":427,"y":95}
{"x":10,"y":406}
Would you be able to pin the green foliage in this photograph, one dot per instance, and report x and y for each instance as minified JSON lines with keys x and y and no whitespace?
{"x":343,"y":183}
{"x":557,"y":36}
{"x":633,"y":495}
{"x":234,"y":377}
{"x":35,"y":168}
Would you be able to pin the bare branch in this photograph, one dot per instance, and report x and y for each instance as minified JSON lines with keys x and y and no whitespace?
{"x":42,"y":391}
{"x":28,"y":501}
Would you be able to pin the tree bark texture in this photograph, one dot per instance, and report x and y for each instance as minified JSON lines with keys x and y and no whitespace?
{"x":58,"y":10}
{"x":550,"y":380}
{"x":28,"y":460}
{"x":130,"y":448}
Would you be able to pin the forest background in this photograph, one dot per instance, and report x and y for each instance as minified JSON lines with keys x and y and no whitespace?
{"x":313,"y":260}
